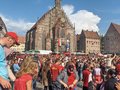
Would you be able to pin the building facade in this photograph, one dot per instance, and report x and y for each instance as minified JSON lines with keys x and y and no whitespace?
{"x":112,"y":39}
{"x":89,"y":42}
{"x":78,"y":39}
{"x":20,"y":48}
{"x":3,"y":28}
{"x":53,"y":31}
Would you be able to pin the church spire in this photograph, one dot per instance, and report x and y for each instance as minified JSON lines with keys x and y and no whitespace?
{"x":58,"y":3}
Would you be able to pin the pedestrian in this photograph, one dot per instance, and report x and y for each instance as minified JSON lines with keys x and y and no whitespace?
{"x":16,"y":66}
{"x":87,"y":78}
{"x":9,"y":39}
{"x":111,"y":80}
{"x":68,"y":77}
{"x":55,"y":70}
{"x":118,"y":76}
{"x":26,"y":74}
{"x":117,"y":69}
{"x":117,"y":85}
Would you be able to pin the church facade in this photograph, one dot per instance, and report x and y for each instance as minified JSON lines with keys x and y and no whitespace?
{"x":53,"y":31}
{"x":3,"y":28}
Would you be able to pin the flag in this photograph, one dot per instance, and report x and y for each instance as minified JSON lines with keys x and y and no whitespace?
{"x":59,"y":42}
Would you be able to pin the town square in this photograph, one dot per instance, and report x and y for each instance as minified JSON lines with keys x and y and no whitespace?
{"x":59,"y":45}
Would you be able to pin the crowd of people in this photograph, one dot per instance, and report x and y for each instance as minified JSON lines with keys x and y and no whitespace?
{"x":57,"y":71}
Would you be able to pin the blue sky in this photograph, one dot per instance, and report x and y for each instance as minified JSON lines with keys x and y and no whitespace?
{"x":96,"y":15}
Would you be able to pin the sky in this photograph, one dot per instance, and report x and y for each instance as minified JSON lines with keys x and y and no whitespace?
{"x":93,"y":15}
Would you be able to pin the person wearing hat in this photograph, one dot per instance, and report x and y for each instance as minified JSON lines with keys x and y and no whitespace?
{"x":9,"y":39}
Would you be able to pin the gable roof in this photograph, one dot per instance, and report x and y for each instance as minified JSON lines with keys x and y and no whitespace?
{"x":117,"y":27}
{"x":91,"y":34}
{"x":2,"y":24}
{"x":21,"y":39}
{"x":3,"y":28}
{"x":51,"y":11}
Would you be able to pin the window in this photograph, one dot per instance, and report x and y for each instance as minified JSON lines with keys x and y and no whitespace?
{"x":62,"y":34}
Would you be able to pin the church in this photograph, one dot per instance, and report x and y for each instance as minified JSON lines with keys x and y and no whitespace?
{"x":112,"y":39}
{"x":3,"y":28}
{"x":53,"y":31}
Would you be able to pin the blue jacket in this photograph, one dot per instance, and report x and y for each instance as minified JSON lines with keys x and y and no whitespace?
{"x":3,"y":64}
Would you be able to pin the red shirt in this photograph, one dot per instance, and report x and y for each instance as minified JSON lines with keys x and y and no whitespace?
{"x":20,"y":83}
{"x":86,"y":74}
{"x":55,"y":70}
{"x":71,"y":79}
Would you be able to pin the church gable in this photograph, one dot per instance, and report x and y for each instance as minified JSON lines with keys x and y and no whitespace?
{"x":3,"y":28}
{"x":51,"y":27}
{"x":113,"y":30}
{"x":50,"y":18}
{"x":117,"y":27}
{"x":111,"y":39}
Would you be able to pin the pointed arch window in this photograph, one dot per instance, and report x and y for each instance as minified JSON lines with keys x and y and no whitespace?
{"x":62,"y":34}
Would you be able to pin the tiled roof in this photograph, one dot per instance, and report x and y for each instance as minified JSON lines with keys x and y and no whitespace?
{"x":116,"y":26}
{"x":91,"y":34}
{"x":21,"y":39}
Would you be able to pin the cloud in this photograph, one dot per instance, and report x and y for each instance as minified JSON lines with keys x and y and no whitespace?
{"x":20,"y":26}
{"x":83,"y":19}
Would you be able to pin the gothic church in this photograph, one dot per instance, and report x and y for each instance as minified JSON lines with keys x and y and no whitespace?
{"x":53,"y":31}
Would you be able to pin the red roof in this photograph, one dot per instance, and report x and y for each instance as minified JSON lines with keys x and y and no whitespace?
{"x":21,"y":39}
{"x":117,"y":27}
{"x":91,"y":34}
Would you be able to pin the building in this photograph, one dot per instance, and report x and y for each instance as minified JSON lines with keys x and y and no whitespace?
{"x":21,"y":39}
{"x":3,"y":28}
{"x":101,"y":43}
{"x":89,"y":42}
{"x":53,"y":31}
{"x":78,"y":39}
{"x":112,"y":39}
{"x":20,"y":48}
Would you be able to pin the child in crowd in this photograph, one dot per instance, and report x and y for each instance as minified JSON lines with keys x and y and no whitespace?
{"x":28,"y":71}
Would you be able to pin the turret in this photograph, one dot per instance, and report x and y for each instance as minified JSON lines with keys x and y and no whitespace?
{"x":58,"y":3}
